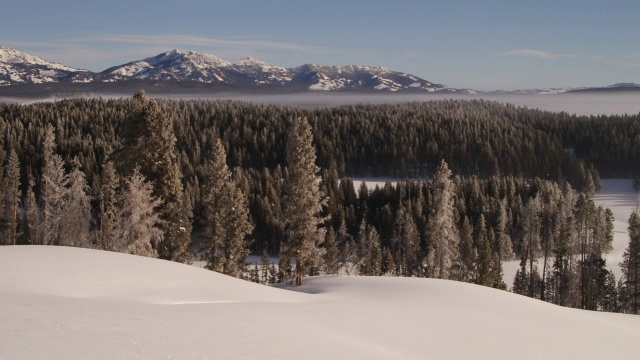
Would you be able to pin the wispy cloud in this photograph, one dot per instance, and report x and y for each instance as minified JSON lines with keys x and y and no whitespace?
{"x":539,"y":54}
{"x":190,"y":40}
{"x":625,"y":64}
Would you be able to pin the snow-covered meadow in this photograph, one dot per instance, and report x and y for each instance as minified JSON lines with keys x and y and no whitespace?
{"x":72,"y":303}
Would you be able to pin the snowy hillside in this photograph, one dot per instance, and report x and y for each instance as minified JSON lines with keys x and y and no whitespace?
{"x":70,"y":303}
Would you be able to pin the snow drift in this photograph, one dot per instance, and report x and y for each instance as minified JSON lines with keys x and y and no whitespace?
{"x":70,"y":303}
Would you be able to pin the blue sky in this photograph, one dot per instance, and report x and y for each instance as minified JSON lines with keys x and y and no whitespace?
{"x":484,"y":45}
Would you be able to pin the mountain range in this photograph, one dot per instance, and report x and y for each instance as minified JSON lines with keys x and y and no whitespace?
{"x":208,"y":71}
{"x":184,"y":72}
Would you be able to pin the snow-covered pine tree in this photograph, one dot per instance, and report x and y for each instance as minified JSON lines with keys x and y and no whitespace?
{"x":484,"y":260}
{"x":149,"y":143}
{"x":406,"y":242}
{"x":303,"y":201}
{"x":369,"y":251}
{"x":226,"y":216}
{"x":531,"y":249}
{"x":137,"y":218}
{"x":503,"y":239}
{"x":31,"y":224}
{"x":108,"y":207}
{"x":443,"y":233}
{"x":76,"y":209}
{"x":53,"y":189}
{"x":332,"y":253}
{"x":630,"y":266}
{"x":11,"y":200}
{"x":468,"y":252}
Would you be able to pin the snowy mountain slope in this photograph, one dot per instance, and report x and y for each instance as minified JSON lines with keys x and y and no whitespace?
{"x":17,"y":67}
{"x":69,"y":303}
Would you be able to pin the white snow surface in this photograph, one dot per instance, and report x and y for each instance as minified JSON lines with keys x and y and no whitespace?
{"x":71,"y":303}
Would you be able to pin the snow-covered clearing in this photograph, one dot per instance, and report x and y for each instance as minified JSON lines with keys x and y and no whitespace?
{"x":71,"y":303}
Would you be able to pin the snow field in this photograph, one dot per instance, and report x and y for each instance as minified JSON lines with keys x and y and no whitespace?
{"x":71,"y":303}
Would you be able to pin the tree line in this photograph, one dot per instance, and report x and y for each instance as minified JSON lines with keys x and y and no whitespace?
{"x":217,"y":180}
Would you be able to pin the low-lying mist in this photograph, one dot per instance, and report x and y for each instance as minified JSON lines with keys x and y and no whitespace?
{"x":617,"y":103}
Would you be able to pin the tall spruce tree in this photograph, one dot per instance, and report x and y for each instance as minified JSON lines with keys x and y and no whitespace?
{"x":531,"y":249}
{"x":484,"y":262}
{"x":31,"y":224}
{"x":226,"y":216}
{"x":149,"y":143}
{"x":137,"y":217}
{"x":630,"y":266}
{"x":76,"y":220}
{"x":406,"y":243}
{"x":303,"y":201}
{"x":53,"y":189}
{"x":369,"y":251}
{"x":108,"y":207}
{"x":332,"y":253}
{"x":11,"y":201}
{"x":443,"y":234}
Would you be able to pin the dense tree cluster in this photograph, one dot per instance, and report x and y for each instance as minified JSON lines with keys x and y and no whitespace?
{"x":137,"y":174}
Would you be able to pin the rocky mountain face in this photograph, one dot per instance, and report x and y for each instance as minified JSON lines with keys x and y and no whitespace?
{"x":176,"y":66}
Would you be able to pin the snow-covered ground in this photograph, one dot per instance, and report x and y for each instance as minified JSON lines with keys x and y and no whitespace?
{"x":71,"y":303}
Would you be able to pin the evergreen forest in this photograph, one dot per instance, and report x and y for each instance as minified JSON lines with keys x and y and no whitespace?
{"x":481,"y":183}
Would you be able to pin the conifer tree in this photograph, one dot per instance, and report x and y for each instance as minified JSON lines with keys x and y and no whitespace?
{"x":149,"y":143}
{"x":303,"y":201}
{"x":76,"y":209}
{"x":503,"y":239}
{"x":31,"y":224}
{"x":531,"y":243}
{"x":11,"y":201}
{"x":332,"y":253}
{"x":443,"y":233}
{"x":137,"y":218}
{"x":53,"y":189}
{"x":630,"y":266}
{"x":406,"y":242}
{"x":484,"y":262}
{"x":108,"y":207}
{"x":369,"y":251}
{"x":226,"y":217}
{"x":468,"y":253}
{"x":387,"y":266}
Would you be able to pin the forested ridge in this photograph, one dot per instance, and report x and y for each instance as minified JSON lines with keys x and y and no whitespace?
{"x":501,"y":189}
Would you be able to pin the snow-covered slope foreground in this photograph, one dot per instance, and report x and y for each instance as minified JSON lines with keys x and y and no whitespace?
{"x":69,"y":303}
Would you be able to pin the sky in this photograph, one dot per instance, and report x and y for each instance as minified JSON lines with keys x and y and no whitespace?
{"x":483,"y":45}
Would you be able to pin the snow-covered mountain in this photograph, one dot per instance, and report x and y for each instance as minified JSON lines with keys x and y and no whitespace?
{"x":190,"y":67}
{"x":181,"y":66}
{"x":17,"y":67}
